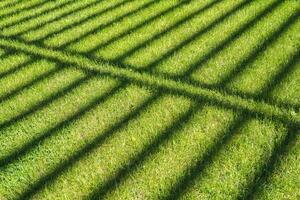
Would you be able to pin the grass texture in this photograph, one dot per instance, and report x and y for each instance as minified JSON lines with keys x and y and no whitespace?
{"x":146,"y":99}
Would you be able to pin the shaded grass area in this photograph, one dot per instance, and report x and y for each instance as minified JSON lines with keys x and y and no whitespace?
{"x":149,"y":99}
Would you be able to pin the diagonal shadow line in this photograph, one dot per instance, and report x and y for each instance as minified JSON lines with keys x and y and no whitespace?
{"x":139,"y":26}
{"x":57,"y":17}
{"x":194,"y":172}
{"x":242,"y":29}
{"x":6,"y":54}
{"x":159,"y":35}
{"x":98,"y":141}
{"x":27,"y":18}
{"x":270,"y":166}
{"x":280,"y":76}
{"x":16,"y":68}
{"x":3,"y":7}
{"x":23,"y":9}
{"x":95,"y":29}
{"x":262,"y":47}
{"x":18,"y":90}
{"x":152,"y":65}
{"x":131,"y":68}
{"x":175,"y":90}
{"x":27,"y":147}
{"x":81,"y":21}
{"x":142,"y":156}
{"x":42,"y":103}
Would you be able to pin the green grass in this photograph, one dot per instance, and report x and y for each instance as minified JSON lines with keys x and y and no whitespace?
{"x":145,"y":99}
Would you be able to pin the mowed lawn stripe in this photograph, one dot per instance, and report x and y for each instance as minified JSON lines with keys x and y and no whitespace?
{"x":24,"y":17}
{"x":92,"y":24}
{"x":147,"y":17}
{"x":238,"y":162}
{"x":20,"y":177}
{"x":191,"y":55}
{"x":125,"y":145}
{"x":288,"y":115}
{"x":196,"y":23}
{"x":155,"y":175}
{"x":240,"y":51}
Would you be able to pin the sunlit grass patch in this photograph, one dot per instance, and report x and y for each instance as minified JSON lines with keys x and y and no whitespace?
{"x":145,"y":99}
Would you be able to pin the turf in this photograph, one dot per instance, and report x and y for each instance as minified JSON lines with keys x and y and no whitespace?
{"x":145,"y":99}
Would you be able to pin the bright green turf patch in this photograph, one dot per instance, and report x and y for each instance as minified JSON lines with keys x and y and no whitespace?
{"x":86,"y":9}
{"x":153,"y":178}
{"x":192,"y":25}
{"x":218,"y":68}
{"x":288,"y":89}
{"x":164,"y":14}
{"x":145,"y":99}
{"x":285,"y":179}
{"x":69,"y":140}
{"x":95,"y":22}
{"x":8,"y":21}
{"x":19,"y":6}
{"x":24,"y":76}
{"x":26,"y":25}
{"x":238,"y":161}
{"x":11,"y":62}
{"x":125,"y":144}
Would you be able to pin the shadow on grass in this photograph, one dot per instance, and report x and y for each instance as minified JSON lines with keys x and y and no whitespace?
{"x":281,"y":150}
{"x":21,"y":151}
{"x":107,"y":24}
{"x":82,"y":21}
{"x":234,"y":36}
{"x":262,"y":47}
{"x":145,"y":23}
{"x":34,"y":16}
{"x":66,"y":164}
{"x":124,"y":172}
{"x":16,"y":11}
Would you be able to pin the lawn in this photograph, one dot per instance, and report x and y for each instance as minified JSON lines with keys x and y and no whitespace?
{"x":149,"y":99}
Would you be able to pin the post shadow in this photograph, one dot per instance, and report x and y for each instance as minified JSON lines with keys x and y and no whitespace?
{"x":58,"y":17}
{"x":192,"y":174}
{"x":123,"y":173}
{"x":27,"y":147}
{"x":281,"y":75}
{"x":41,"y":104}
{"x":234,"y":36}
{"x":18,"y":90}
{"x":28,"y":18}
{"x":9,"y":4}
{"x":81,"y":21}
{"x":269,"y":168}
{"x":98,"y":141}
{"x":151,"y":66}
{"x":23,"y":9}
{"x":256,"y":52}
{"x":152,"y":19}
{"x":105,"y":25}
